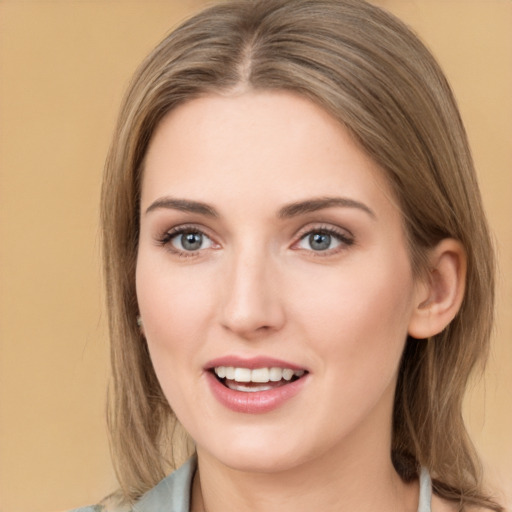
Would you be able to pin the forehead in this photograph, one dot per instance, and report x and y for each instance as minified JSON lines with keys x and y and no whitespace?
{"x":272,"y":144}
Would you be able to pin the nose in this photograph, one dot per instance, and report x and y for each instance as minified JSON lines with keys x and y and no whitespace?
{"x":252,"y":305}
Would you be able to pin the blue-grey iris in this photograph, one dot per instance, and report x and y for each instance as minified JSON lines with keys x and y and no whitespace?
{"x":191,"y":241}
{"x":320,"y":241}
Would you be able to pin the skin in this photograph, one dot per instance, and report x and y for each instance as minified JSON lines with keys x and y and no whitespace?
{"x":256,"y":286}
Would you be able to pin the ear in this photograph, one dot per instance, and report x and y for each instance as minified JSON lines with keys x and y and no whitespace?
{"x":439,"y":295}
{"x":140,"y":325}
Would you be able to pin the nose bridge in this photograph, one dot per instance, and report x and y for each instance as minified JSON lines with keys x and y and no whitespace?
{"x":252,"y":302}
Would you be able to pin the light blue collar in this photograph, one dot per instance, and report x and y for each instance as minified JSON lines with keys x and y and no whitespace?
{"x":425,"y":501}
{"x":172,"y":494}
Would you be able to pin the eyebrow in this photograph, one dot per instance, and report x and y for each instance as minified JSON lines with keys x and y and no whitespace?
{"x":183,"y":205}
{"x":291,"y":210}
{"x":315,"y":204}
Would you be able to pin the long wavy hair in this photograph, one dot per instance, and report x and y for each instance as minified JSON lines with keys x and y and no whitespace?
{"x":369,"y":71}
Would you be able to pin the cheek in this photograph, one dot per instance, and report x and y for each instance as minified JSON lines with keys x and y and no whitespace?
{"x":359,"y":315}
{"x":174,"y":304}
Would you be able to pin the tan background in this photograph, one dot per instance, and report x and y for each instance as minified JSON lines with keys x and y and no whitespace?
{"x":64,"y":65}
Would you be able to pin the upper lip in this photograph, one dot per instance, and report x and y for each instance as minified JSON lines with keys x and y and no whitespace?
{"x":251,"y":363}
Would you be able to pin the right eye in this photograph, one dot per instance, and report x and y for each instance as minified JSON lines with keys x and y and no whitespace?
{"x":188,"y":240}
{"x":320,"y":240}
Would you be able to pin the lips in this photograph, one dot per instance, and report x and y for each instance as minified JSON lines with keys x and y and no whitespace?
{"x":254,"y":385}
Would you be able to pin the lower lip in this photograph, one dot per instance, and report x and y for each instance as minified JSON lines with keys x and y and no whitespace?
{"x":257,"y":402}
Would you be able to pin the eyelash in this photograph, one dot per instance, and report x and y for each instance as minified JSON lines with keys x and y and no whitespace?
{"x":166,"y":239}
{"x":345,"y":240}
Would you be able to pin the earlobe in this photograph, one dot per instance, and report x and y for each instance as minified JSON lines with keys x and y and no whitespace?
{"x":140,"y":324}
{"x":439,"y":295}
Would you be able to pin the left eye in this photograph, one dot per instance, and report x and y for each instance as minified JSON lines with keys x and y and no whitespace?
{"x":190,"y":241}
{"x":320,"y":241}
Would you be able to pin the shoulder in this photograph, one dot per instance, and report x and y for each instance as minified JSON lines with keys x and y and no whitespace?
{"x":92,"y":508}
{"x":172,"y":493}
{"x":111,"y":503}
{"x":107,"y":505}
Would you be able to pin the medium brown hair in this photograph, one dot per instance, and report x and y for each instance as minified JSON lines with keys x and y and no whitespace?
{"x":369,"y":71}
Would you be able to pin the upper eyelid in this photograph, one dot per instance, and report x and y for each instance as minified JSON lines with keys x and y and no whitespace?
{"x":310,"y":227}
{"x":192,"y":226}
{"x":164,"y":237}
{"x":324,"y":226}
{"x":344,"y":236}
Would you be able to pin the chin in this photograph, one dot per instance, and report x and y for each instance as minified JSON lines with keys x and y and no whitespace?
{"x":257,"y":455}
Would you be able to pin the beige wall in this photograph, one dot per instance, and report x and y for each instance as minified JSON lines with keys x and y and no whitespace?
{"x":63,"y":67}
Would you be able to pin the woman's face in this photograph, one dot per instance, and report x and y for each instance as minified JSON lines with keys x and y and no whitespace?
{"x":273,"y":280}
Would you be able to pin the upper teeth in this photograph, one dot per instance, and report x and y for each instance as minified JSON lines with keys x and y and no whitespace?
{"x":256,"y":375}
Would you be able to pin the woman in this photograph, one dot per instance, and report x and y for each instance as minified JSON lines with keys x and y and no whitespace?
{"x":298,"y":268}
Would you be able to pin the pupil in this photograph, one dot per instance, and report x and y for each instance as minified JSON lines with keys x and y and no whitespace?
{"x":192,"y":241}
{"x":320,"y":241}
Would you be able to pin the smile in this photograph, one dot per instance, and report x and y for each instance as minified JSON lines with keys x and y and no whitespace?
{"x":249,"y":380}
{"x":256,"y":385}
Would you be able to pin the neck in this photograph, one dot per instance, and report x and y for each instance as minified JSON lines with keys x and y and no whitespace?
{"x":362,"y":481}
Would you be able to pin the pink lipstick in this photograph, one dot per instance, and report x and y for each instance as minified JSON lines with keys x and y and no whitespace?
{"x":255,"y":385}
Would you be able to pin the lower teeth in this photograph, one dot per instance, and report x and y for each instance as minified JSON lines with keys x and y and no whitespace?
{"x":252,"y":387}
{"x":240,"y":387}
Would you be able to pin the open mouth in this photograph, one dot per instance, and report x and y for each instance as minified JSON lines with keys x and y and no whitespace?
{"x":258,"y":379}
